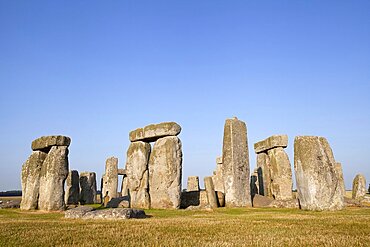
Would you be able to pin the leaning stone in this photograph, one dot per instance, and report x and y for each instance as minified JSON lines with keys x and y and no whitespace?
{"x":44,"y":143}
{"x":72,"y":193}
{"x":115,"y":214}
{"x":88,"y":188}
{"x":153,"y":132}
{"x":31,"y":171}
{"x":359,"y":187}
{"x":193,"y":183}
{"x":280,"y":174}
{"x":77,"y":213}
{"x":264,"y":177}
{"x":138,"y":174}
{"x":271,"y":142}
{"x":211,"y":193}
{"x":236,"y":164}
{"x":318,"y":183}
{"x":54,"y":172}
{"x":165,"y":170}
{"x":110,"y":178}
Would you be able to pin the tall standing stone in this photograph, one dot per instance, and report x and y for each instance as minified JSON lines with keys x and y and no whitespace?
{"x":359,"y":187}
{"x":88,"y":188}
{"x":264,"y":178}
{"x":72,"y":193}
{"x":318,"y":182}
{"x":31,"y":171}
{"x":218,"y":179}
{"x":165,"y":170}
{"x":211,"y":193}
{"x":54,"y":172}
{"x":138,"y":174}
{"x":236,"y":164}
{"x":110,"y":178}
{"x":124,"y":186}
{"x":338,"y":167}
{"x":193,"y":183}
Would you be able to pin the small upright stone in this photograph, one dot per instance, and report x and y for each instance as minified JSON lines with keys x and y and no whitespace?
{"x":154,"y":132}
{"x":211,"y":194}
{"x":72,"y":194}
{"x":110,"y":178}
{"x":218,"y":179}
{"x":338,"y":167}
{"x":254,"y":183}
{"x":193,"y":183}
{"x":359,"y":187}
{"x":88,"y":188}
{"x":124,"y":186}
{"x":236,"y":164}
{"x":45,"y":143}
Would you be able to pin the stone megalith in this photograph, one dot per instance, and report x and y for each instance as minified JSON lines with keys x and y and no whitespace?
{"x":318,"y":183}
{"x":54,"y":172}
{"x":153,"y":132}
{"x":124,"y":186}
{"x":338,"y":167}
{"x":165,"y":171}
{"x":45,"y":143}
{"x":138,"y":174}
{"x":263,"y":170}
{"x":236,"y":164}
{"x":88,"y":188}
{"x":218,"y":180}
{"x":193,"y":183}
{"x":254,"y":183}
{"x":31,"y":171}
{"x":110,"y":178}
{"x":211,"y":193}
{"x":359,"y":187}
{"x":72,"y":193}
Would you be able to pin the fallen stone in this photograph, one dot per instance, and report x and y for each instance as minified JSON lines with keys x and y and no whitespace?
{"x":115,"y":214}
{"x":110,"y":178}
{"x":165,"y":170}
{"x":119,"y":202}
{"x":44,"y":143}
{"x":211,"y":193}
{"x":318,"y":183}
{"x":196,"y":199}
{"x":292,"y":203}
{"x":153,"y":132}
{"x":78,"y":212}
{"x":270,"y":143}
{"x":72,"y":193}
{"x":193,"y":183}
{"x":359,"y":187}
{"x":236,"y":164}
{"x":88,"y":188}
{"x":261,"y":201}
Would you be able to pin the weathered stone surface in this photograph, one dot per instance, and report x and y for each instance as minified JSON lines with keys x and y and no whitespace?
{"x":31,"y":171}
{"x":268,"y":202}
{"x":165,"y":171}
{"x":138,"y":174}
{"x":124,"y":186}
{"x":359,"y":187}
{"x":254,"y":183}
{"x":88,"y":188}
{"x":72,"y":193}
{"x":264,"y":178}
{"x":54,"y":172}
{"x":119,"y":202}
{"x":220,"y":198}
{"x":218,"y":179}
{"x":153,"y":132}
{"x":115,"y":214}
{"x":236,"y":164}
{"x":219,"y":160}
{"x":318,"y":182}
{"x":193,"y":183}
{"x":211,"y":193}
{"x":338,"y":167}
{"x":76,"y":213}
{"x":260,"y":201}
{"x":196,"y":199}
{"x":271,"y":142}
{"x":110,"y":178}
{"x":121,"y":171}
{"x":280,"y":174}
{"x":44,"y":143}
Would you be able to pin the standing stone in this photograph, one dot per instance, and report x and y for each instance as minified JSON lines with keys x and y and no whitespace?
{"x":318,"y":182}
{"x":338,"y":167}
{"x":236,"y":164}
{"x":359,"y":187}
{"x":138,"y":174}
{"x":110,"y":178}
{"x":264,"y":178}
{"x":54,"y":172}
{"x":254,"y":183}
{"x":124,"y":186}
{"x":193,"y":183}
{"x":72,"y":195}
{"x":280,"y":174}
{"x":218,"y":180}
{"x":31,"y":171}
{"x":165,"y":171}
{"x":211,"y":194}
{"x":88,"y":188}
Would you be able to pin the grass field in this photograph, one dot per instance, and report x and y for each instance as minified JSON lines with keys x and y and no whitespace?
{"x":222,"y":227}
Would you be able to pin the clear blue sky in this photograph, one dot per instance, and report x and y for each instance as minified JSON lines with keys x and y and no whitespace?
{"x":94,"y":70}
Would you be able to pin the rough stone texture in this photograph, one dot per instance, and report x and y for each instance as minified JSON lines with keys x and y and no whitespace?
{"x":44,"y":143}
{"x":236,"y":164}
{"x":211,"y":193}
{"x":54,"y":172}
{"x":153,"y":132}
{"x":165,"y":171}
{"x":254,"y":183}
{"x":260,"y":201}
{"x":218,"y":180}
{"x":121,"y":171}
{"x":359,"y":187}
{"x":88,"y":188}
{"x":119,"y":202}
{"x":318,"y":182}
{"x":76,"y":213}
{"x":110,"y":178}
{"x":72,"y":193}
{"x":280,"y":174}
{"x":219,"y":160}
{"x":220,"y":198}
{"x":338,"y":167}
{"x":267,"y":202}
{"x":115,"y":214}
{"x":193,"y":183}
{"x":31,"y":171}
{"x":138,"y":174}
{"x":271,"y":142}
{"x":264,"y":178}
{"x":196,"y":199}
{"x":124,"y":186}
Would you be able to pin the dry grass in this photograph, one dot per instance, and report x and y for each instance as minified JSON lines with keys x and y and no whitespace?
{"x":223,"y":227}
